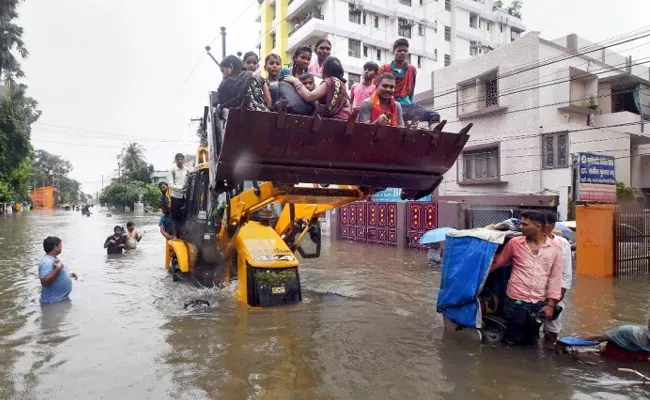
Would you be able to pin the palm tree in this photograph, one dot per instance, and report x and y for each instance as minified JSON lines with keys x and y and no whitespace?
{"x":132,"y":162}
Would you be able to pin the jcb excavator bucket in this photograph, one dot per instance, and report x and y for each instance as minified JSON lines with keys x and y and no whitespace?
{"x":281,"y":147}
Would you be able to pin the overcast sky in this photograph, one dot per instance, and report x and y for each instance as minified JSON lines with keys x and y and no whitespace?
{"x":108,"y":72}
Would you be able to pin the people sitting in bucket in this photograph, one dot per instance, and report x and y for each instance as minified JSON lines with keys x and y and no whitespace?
{"x":535,"y":284}
{"x":359,"y":92}
{"x":323,"y":50}
{"x":381,"y":108}
{"x":56,"y":281}
{"x":625,"y":343}
{"x":133,"y":237}
{"x":331,"y":92}
{"x":299,"y":63}
{"x":114,"y":244}
{"x":405,"y":75}
{"x":552,"y":327}
{"x":237,"y":83}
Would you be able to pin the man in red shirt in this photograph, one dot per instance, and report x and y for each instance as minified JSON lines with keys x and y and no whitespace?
{"x":535,"y":283}
{"x":405,"y":75}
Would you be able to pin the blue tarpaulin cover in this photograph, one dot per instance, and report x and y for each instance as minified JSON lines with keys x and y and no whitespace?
{"x":465,"y":267}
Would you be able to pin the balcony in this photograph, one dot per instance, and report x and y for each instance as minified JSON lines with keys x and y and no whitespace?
{"x":583,"y":92}
{"x":622,"y":118}
{"x":305,"y":20}
{"x":305,"y":32}
{"x":296,"y":7}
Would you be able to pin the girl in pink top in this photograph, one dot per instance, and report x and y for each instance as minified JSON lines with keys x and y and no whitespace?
{"x":323,"y":50}
{"x":362,"y":91}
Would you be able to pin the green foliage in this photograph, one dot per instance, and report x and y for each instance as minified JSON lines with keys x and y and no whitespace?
{"x":122,"y":194}
{"x":274,"y":279}
{"x":514,"y":8}
{"x":49,"y":169}
{"x":133,"y":165}
{"x":624,"y":193}
{"x":497,"y":5}
{"x":17,"y":111}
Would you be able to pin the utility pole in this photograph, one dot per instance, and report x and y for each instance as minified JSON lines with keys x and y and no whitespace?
{"x":223,"y":42}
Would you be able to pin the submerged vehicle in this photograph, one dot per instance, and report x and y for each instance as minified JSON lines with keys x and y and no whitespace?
{"x":250,"y":161}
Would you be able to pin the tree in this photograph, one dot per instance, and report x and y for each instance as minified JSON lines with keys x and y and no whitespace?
{"x":133,"y":165}
{"x":11,"y":39}
{"x":49,"y":169}
{"x":46,"y":166}
{"x":498,"y":5}
{"x":514,"y":8}
{"x":624,"y":193}
{"x":120,"y":194}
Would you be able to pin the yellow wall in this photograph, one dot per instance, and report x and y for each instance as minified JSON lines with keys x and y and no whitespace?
{"x":595,"y":240}
{"x":281,"y":29}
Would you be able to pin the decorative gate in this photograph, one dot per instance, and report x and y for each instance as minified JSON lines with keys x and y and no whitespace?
{"x":422,"y":217}
{"x":369,"y":222}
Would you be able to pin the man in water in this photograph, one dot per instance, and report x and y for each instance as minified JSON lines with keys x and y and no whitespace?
{"x":405,"y":75}
{"x":535,"y":284}
{"x":133,"y":237}
{"x":382,"y":108}
{"x":177,"y":181}
{"x":553,"y":327}
{"x":627,"y":342}
{"x":55,"y":279}
{"x":114,"y":244}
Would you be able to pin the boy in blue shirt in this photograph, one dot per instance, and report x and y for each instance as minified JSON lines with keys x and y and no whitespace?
{"x":55,"y":279}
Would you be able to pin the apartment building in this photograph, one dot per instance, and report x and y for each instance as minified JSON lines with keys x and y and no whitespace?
{"x":441,"y":32}
{"x":536,"y":103}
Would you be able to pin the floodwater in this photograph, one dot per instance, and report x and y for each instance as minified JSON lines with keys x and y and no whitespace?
{"x":366,"y":330}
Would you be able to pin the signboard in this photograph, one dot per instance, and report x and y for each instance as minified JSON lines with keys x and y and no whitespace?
{"x":392,"y":195}
{"x":596,"y":178}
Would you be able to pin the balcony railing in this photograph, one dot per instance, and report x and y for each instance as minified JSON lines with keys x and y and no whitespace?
{"x":308,"y":18}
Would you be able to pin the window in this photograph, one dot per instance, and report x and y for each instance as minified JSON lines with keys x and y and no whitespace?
{"x":421,"y":30}
{"x":422,"y":2}
{"x":473,"y":20}
{"x":419,"y":61}
{"x":378,"y":55}
{"x":365,"y":51}
{"x":273,"y":42}
{"x":448,"y":5}
{"x":447,"y":60}
{"x":354,"y":48}
{"x":435,"y":54}
{"x":273,"y":12}
{"x":478,"y":93}
{"x":501,"y":27}
{"x":376,"y":18}
{"x":405,"y":2}
{"x":364,"y":17}
{"x":354,"y":14}
{"x":473,"y":48}
{"x":555,"y":150}
{"x":448,"y":33}
{"x":352,"y":79}
{"x":481,"y":164}
{"x":488,"y":26}
{"x":403,"y":28}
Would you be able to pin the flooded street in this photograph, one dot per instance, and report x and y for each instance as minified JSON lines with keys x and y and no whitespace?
{"x":367,"y":329}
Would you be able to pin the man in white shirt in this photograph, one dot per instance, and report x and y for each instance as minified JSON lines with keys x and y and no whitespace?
{"x":552,"y":328}
{"x":177,"y":181}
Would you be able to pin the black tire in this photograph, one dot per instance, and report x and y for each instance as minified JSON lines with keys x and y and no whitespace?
{"x":174,"y":269}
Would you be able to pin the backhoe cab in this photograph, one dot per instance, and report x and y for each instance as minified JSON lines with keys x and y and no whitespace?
{"x":250,"y":160}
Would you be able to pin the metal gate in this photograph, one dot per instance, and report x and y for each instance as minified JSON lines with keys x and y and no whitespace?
{"x":482,"y":218}
{"x":421,"y":217}
{"x":369,"y":222}
{"x":631,"y":243}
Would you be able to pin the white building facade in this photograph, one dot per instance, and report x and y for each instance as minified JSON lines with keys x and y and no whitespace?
{"x":535,"y":104}
{"x":440,"y":32}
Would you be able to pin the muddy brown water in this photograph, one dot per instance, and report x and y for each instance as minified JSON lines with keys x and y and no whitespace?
{"x":367,"y":329}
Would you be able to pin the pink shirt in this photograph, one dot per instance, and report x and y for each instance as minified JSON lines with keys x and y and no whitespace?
{"x":359,"y":93}
{"x":534,"y":277}
{"x":314,"y":67}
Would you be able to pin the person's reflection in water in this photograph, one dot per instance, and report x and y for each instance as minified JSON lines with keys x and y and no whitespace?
{"x":53,"y":316}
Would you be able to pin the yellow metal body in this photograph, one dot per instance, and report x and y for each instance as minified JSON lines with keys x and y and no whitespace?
{"x":180,"y":249}
{"x":259,"y":246}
